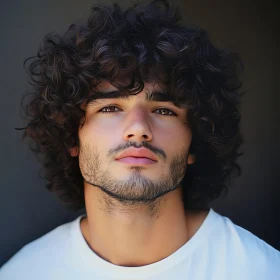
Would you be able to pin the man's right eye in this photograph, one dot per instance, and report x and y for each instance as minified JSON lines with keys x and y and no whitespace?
{"x":101,"y":110}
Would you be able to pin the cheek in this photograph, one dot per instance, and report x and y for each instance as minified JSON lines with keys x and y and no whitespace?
{"x":175,"y":139}
{"x":99,"y":134}
{"x":175,"y":134}
{"x":97,"y":121}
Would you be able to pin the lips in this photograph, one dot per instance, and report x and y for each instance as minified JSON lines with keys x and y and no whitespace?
{"x":137,"y":153}
{"x":136,"y":160}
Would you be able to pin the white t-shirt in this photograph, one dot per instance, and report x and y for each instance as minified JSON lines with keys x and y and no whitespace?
{"x":219,"y":250}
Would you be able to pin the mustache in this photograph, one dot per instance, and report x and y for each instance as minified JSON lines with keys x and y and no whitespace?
{"x":161,"y":154}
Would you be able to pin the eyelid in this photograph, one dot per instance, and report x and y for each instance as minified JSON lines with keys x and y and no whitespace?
{"x":103,"y":102}
{"x":94,"y":101}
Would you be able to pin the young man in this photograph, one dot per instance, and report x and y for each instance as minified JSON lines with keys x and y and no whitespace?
{"x":137,"y":118}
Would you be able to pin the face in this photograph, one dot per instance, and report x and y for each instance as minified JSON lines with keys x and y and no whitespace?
{"x":134,"y":122}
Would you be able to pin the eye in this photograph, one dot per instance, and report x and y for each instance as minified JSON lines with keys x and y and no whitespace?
{"x":101,"y":110}
{"x":107,"y":110}
{"x":169,"y":115}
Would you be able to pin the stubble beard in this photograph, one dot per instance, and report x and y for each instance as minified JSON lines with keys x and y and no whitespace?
{"x":138,"y":190}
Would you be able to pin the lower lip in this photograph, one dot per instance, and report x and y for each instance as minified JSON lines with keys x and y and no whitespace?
{"x":136,"y":160}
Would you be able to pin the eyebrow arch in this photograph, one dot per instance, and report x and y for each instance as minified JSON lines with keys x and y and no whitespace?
{"x":149,"y":96}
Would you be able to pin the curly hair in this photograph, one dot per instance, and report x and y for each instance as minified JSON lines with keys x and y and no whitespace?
{"x":129,"y":47}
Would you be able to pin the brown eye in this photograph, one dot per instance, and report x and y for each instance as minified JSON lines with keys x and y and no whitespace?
{"x":166,"y":110}
{"x":106,"y":109}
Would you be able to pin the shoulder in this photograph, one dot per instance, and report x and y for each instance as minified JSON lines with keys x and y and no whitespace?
{"x":248,"y":250}
{"x":249,"y":240}
{"x":34,"y":256}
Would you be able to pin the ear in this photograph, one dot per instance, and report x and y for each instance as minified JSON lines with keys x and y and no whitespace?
{"x":74,"y":151}
{"x":191,"y":158}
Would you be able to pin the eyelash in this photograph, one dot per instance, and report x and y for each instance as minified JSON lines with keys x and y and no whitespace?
{"x":168,"y":115}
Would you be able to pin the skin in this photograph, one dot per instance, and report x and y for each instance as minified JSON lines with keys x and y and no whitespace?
{"x":135,"y":208}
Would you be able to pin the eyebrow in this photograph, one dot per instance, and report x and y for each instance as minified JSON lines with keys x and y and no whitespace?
{"x":159,"y":96}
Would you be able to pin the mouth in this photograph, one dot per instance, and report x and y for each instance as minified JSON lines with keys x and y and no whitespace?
{"x":136,"y":160}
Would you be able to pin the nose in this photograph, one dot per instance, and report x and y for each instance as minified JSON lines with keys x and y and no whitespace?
{"x":137,"y":126}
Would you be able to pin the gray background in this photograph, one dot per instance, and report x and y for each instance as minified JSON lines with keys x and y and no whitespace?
{"x":28,"y":210}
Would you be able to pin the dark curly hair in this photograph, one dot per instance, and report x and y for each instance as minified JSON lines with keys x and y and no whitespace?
{"x":129,"y":47}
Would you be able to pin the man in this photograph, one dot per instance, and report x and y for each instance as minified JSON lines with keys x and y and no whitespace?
{"x":137,"y":118}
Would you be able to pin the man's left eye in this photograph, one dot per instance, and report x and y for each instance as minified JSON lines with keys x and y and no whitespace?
{"x":172,"y":113}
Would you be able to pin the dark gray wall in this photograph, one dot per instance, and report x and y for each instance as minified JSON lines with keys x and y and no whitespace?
{"x":28,"y":210}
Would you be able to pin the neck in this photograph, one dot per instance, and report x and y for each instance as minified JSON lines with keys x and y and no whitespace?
{"x":135,"y":236}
